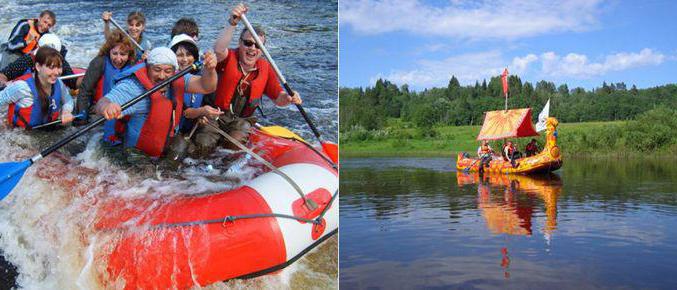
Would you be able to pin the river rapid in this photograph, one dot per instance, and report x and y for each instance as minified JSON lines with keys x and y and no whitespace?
{"x":47,"y":222}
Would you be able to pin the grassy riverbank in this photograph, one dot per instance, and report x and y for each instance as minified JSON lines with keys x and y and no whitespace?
{"x":651,"y":133}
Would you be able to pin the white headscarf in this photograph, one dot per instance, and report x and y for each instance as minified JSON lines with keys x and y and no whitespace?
{"x":162,"y":55}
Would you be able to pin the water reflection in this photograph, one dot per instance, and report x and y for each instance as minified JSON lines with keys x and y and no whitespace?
{"x":508,"y":202}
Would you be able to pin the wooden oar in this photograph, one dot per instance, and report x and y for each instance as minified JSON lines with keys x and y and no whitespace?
{"x":331,"y":149}
{"x":127,"y":34}
{"x":11,"y":172}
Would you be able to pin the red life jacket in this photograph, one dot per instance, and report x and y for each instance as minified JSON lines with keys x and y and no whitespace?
{"x":229,"y":77}
{"x":163,"y":118}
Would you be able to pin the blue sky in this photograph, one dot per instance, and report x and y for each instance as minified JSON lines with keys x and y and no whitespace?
{"x":580,"y":43}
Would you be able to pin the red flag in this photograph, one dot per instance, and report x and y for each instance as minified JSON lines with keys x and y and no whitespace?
{"x":504,"y":78}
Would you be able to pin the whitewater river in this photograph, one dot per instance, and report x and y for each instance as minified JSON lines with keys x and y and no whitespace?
{"x":594,"y":224}
{"x":46,"y":224}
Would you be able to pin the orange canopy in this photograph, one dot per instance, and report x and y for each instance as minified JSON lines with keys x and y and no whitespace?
{"x":507,"y":124}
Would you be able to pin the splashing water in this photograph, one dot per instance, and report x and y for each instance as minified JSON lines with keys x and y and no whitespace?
{"x":47,"y":222}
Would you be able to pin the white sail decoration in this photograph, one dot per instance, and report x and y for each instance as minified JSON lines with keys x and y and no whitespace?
{"x":540,"y":126}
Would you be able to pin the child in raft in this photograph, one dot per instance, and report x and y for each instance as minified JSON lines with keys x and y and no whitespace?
{"x":42,"y":98}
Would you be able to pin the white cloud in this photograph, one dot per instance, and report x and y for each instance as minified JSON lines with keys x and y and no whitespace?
{"x":507,"y":19}
{"x":472,"y":67}
{"x":578,"y":66}
{"x":433,"y":73}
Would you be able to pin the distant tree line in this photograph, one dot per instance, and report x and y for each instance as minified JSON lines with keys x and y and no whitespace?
{"x":369,"y":108}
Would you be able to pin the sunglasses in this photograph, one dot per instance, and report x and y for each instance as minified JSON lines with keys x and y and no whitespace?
{"x":249,"y":43}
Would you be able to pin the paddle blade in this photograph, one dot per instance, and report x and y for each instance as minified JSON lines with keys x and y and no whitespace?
{"x":331,"y":149}
{"x":281,"y":132}
{"x":10,"y":175}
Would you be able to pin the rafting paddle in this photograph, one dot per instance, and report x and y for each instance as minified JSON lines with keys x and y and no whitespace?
{"x":58,"y":121}
{"x":11,"y":172}
{"x":331,"y":149}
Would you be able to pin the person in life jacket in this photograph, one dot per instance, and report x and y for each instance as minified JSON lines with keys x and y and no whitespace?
{"x":531,"y":148}
{"x":115,"y":55}
{"x":136,"y":25}
{"x":42,"y":97}
{"x":155,"y":119}
{"x":25,"y":35}
{"x":23,"y":66}
{"x":244,"y":77}
{"x":485,"y":153}
{"x":187,"y":53}
{"x":510,"y":153}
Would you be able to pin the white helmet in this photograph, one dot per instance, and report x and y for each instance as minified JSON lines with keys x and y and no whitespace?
{"x":51,"y":40}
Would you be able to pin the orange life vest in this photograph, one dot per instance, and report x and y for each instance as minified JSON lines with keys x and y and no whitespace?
{"x":33,"y":43}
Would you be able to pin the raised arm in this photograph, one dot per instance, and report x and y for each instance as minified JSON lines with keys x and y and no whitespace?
{"x":206,"y":83}
{"x":106,"y":16}
{"x":226,"y":35}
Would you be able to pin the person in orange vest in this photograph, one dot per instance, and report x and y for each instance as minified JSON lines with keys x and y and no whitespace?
{"x":24,"y":64}
{"x":244,"y":77}
{"x":42,"y":97}
{"x":155,"y":119}
{"x":25,"y":35}
{"x":485,"y":153}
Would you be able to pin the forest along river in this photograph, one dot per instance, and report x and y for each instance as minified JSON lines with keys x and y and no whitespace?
{"x":46,"y":223}
{"x":594,"y":224}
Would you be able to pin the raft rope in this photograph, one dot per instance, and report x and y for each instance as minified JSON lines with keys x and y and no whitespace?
{"x":308,"y":202}
{"x":232,"y":218}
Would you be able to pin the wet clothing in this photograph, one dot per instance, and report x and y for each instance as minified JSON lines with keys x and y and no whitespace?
{"x":25,"y":105}
{"x":25,"y":63}
{"x":238,"y":94}
{"x":154,"y":119}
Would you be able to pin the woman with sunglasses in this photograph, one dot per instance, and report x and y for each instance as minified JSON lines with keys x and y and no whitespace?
{"x":244,"y":76}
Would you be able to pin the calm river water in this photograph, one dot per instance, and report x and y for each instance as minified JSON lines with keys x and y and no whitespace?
{"x":417,"y":223}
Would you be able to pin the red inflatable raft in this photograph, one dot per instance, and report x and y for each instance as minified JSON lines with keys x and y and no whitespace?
{"x":258,"y":228}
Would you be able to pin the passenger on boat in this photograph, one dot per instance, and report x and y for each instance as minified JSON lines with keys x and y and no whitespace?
{"x":156,"y":118}
{"x":511,"y":154}
{"x":136,"y":25}
{"x":485,"y":153}
{"x":24,"y":64}
{"x":186,"y":26}
{"x":115,"y":55}
{"x":532,"y":148}
{"x":24,"y":37}
{"x":244,"y":76}
{"x":42,"y":97}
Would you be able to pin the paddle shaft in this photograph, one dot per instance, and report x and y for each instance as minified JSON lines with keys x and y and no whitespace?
{"x":280,"y":76}
{"x":71,"y":76}
{"x":127,"y":34}
{"x":58,"y":121}
{"x":98,"y":121}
